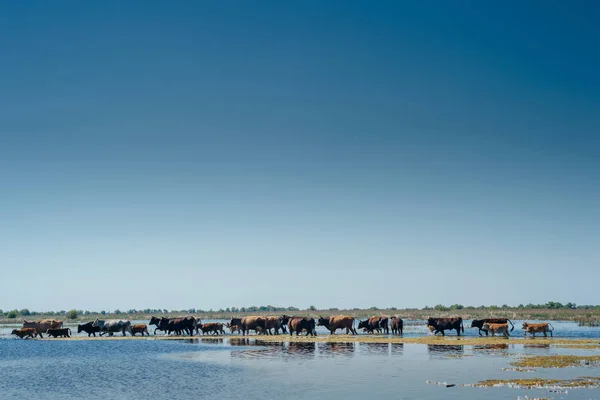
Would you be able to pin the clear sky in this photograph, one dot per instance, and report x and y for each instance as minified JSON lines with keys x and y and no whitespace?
{"x":327,"y":153}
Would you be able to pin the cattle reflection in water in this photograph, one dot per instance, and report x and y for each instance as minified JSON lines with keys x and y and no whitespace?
{"x":438,"y":350}
{"x":375,"y":348}
{"x":493,"y":349}
{"x":212,"y":340}
{"x":337,"y":349}
{"x":239,"y":341}
{"x":302,"y":350}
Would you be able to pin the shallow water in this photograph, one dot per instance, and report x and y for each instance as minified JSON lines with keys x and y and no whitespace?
{"x":246,"y":368}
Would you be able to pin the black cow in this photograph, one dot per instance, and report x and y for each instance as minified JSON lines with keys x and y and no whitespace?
{"x":443,"y":324}
{"x":56,"y":332}
{"x":397,"y":325}
{"x":299,"y":324}
{"x":88,"y":328}
{"x":178,"y":325}
{"x":478,"y":323}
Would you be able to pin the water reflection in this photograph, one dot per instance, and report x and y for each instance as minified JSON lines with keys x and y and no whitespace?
{"x":302,"y":350}
{"x":235,"y":341}
{"x":375,"y":348}
{"x":212,"y":340}
{"x":438,"y":350}
{"x":396,"y":348}
{"x":494,"y":349}
{"x":337,"y":349}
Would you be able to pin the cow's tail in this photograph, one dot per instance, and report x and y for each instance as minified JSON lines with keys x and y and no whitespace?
{"x":70,"y":333}
{"x":550,"y":325}
{"x":462,"y":326}
{"x":511,"y":324}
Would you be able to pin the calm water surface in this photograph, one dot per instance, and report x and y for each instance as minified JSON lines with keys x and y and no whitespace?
{"x":237,"y":368}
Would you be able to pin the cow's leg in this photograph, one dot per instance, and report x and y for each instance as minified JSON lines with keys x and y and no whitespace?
{"x":458,"y":331}
{"x":479,"y":331}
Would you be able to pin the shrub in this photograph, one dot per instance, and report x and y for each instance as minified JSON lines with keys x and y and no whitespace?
{"x":12,"y":314}
{"x":71,"y":314}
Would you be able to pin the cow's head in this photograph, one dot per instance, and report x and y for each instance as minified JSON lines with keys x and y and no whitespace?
{"x":525,"y":325}
{"x":154,"y":321}
{"x":323,"y":321}
{"x":284,"y":319}
{"x":14,"y":332}
{"x":432,"y":321}
{"x":363,"y":324}
{"x":477,"y":323}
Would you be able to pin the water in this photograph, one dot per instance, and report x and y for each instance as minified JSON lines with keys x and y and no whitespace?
{"x":242,"y":368}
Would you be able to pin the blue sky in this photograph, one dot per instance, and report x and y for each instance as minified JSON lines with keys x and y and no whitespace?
{"x":336,"y":154}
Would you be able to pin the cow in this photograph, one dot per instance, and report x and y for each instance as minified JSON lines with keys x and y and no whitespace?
{"x":493,"y":328}
{"x":26,"y":332}
{"x":139,"y":328}
{"x":397,"y":325}
{"x":372,"y":324}
{"x":43,"y":325}
{"x":299,"y":324}
{"x":56,"y":332}
{"x":276,"y":323}
{"x":88,"y":328}
{"x":478,"y":323}
{"x":257,"y":324}
{"x":177,"y":325}
{"x":111,"y":326}
{"x":532,"y":329}
{"x":443,"y":324}
{"x":338,"y":322}
{"x":234,"y":328}
{"x":214,"y":327}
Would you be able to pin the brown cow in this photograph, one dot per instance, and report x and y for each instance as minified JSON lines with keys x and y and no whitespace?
{"x":275,"y":323}
{"x":493,"y":328}
{"x":397,"y":325}
{"x":257,"y":324}
{"x":299,"y":324}
{"x":543,"y":327}
{"x":43,"y":325}
{"x":338,"y":322}
{"x":214,"y":327}
{"x":29,"y":332}
{"x":372,"y":324}
{"x":139,"y":328}
{"x":56,"y":332}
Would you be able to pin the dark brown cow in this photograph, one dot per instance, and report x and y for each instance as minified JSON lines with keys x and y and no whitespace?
{"x":234,"y":328}
{"x":397,"y":325}
{"x":338,"y":322}
{"x":212,"y":327}
{"x":56,"y":332}
{"x":29,"y":332}
{"x":373,"y":324}
{"x":442,"y":324}
{"x":257,"y":324}
{"x":299,"y":324}
{"x":275,"y":323}
{"x":139,"y":328}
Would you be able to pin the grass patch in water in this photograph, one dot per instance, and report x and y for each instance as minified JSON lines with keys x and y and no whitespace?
{"x":556,"y":361}
{"x":541,"y":383}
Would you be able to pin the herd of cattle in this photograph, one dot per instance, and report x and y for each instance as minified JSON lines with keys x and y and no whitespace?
{"x":272,"y":325}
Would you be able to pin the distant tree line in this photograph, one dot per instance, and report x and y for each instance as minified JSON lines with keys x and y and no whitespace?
{"x":73,"y":314}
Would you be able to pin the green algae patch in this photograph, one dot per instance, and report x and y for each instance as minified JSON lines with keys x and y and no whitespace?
{"x":556,"y":361}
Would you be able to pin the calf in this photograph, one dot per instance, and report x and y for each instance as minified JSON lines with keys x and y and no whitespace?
{"x":26,"y":332}
{"x":139,"y":328}
{"x":234,"y":328}
{"x":532,"y":329}
{"x":493,"y":328}
{"x":56,"y":332}
{"x":478,"y":323}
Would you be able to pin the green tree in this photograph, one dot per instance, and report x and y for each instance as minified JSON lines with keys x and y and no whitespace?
{"x":312,"y":308}
{"x":72,"y":314}
{"x":12,"y":314}
{"x":24,"y":312}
